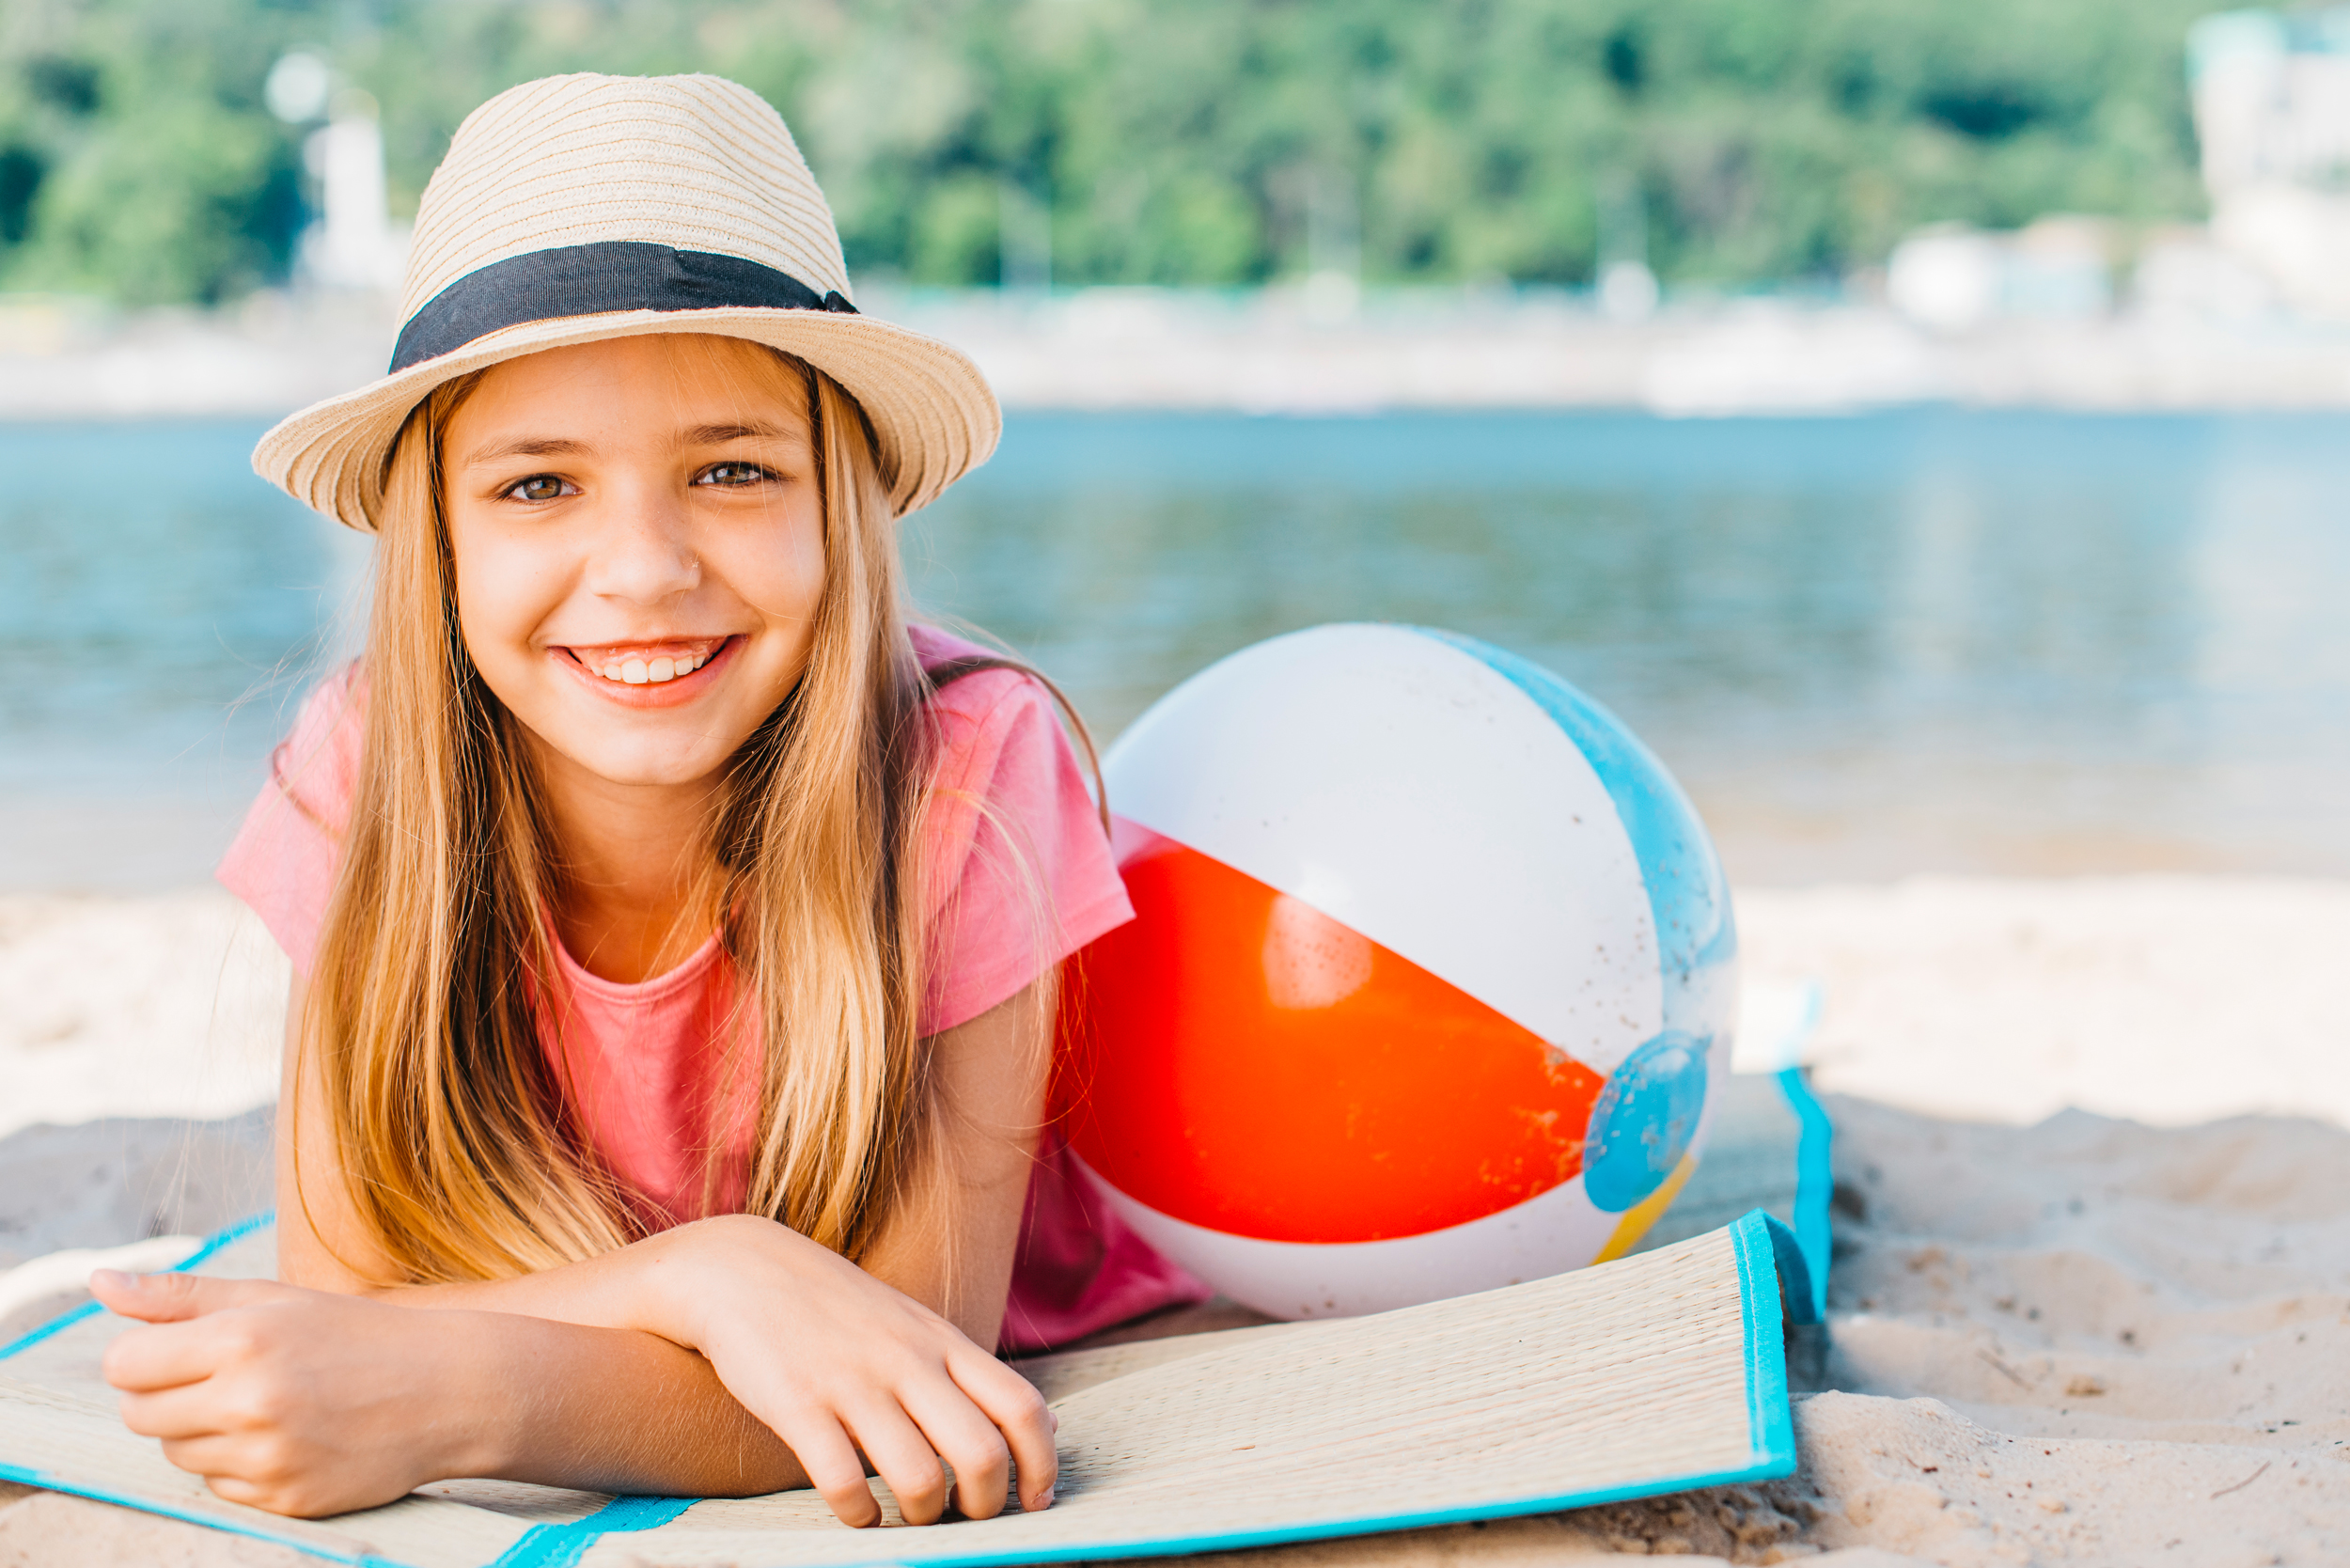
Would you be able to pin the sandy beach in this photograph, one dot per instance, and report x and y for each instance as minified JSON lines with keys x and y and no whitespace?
{"x":2091,"y":1299}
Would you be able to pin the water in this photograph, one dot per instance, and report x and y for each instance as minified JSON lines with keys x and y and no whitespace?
{"x":1931,"y":640}
{"x":159,"y":611}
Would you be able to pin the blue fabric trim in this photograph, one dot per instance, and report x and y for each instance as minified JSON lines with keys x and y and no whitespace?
{"x":54,"y":1326}
{"x":563,"y":1545}
{"x":47,"y":1483}
{"x":1242,"y":1540}
{"x":212,"y":1244}
{"x":1795,"y":1273}
{"x":221,"y":1239}
{"x":1815,"y":1184}
{"x":1770,"y":1419}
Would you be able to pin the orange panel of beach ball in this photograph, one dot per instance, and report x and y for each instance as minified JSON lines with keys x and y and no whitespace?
{"x":1353,"y":1096}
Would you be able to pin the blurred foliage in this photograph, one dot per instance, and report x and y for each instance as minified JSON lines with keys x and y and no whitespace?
{"x":136,"y":158}
{"x":1211,"y":142}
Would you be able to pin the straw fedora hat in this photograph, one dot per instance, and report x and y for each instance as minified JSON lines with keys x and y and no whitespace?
{"x":580,"y":207}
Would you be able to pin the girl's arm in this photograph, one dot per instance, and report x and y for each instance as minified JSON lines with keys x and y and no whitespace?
{"x":310,"y":1402}
{"x":559,"y":1375}
{"x":950,"y":1240}
{"x":948,"y":1245}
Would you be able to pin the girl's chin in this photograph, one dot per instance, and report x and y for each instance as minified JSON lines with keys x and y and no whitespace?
{"x":640,"y":761}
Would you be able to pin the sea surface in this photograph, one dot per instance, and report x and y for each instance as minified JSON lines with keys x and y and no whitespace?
{"x":1924,"y":641}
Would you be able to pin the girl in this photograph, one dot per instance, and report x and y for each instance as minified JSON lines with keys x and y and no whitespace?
{"x":674,"y":927}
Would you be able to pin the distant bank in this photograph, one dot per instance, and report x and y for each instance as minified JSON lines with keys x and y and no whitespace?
{"x":1280,"y":351}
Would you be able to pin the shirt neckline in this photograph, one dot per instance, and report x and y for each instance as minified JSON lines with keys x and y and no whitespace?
{"x":692,"y":967}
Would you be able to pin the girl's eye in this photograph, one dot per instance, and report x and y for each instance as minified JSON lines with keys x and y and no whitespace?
{"x":539,"y":487}
{"x":731,"y":473}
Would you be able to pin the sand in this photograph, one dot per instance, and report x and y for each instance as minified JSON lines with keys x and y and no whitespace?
{"x":2163,"y":999}
{"x":166,"y":1005}
{"x":2091,"y":1302}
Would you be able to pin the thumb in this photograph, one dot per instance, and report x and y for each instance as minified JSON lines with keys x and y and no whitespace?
{"x":174,"y":1297}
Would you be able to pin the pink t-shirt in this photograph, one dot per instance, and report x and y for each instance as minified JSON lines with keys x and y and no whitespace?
{"x":641,"y":1062}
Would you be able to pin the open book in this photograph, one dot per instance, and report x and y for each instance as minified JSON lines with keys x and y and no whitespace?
{"x":1656,"y":1373}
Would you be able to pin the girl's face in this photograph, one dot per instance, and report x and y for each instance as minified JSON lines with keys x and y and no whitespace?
{"x":639,"y":547}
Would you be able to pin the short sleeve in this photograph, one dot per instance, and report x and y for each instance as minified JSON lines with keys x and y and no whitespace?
{"x":284,"y":860}
{"x":1020,"y":872}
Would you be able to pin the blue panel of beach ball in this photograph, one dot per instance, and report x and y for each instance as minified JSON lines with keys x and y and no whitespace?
{"x":1645,"y":1121}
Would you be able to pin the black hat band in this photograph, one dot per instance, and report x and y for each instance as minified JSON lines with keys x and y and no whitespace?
{"x":592,"y":280}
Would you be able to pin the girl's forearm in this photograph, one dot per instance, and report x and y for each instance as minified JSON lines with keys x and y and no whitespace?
{"x":651,"y":1285}
{"x":647,"y":1287}
{"x":602,"y":1293}
{"x":606,"y":1410}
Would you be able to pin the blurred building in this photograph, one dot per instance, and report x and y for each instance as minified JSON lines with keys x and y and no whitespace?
{"x":2271,"y":98}
{"x":1954,"y":278}
{"x":353,"y":243}
{"x":2272,"y":112}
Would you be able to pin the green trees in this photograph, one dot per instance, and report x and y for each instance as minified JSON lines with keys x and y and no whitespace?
{"x":135,"y":158}
{"x":1211,"y":142}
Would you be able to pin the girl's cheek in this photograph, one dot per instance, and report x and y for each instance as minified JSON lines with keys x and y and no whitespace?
{"x":506,"y":590}
{"x":793,"y":585}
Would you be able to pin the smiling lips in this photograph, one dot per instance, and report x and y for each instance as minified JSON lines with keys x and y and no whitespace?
{"x":644,"y":664}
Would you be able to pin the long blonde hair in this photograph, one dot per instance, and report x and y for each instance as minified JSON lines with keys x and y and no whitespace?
{"x":452,"y":1132}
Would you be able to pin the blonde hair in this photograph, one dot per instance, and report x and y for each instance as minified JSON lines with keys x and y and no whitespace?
{"x":455,"y":1139}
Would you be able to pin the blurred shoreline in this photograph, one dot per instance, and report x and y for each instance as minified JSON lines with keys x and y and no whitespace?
{"x":1292,"y":350}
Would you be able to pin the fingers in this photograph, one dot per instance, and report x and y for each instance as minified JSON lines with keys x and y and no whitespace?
{"x":980,"y":1418}
{"x":175,"y":1414}
{"x":242,"y":1470}
{"x":906,"y":1449}
{"x":174,"y":1297}
{"x":903,"y":1457}
{"x":967,"y":1440}
{"x":824,"y":1451}
{"x":1019,"y":1414}
{"x":236,"y":1489}
{"x":165,"y":1356}
{"x":211,"y":1454}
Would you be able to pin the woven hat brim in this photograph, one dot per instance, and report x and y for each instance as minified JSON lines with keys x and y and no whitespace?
{"x":933,"y":415}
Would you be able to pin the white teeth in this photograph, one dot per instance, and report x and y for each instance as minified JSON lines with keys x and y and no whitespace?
{"x":651,"y":672}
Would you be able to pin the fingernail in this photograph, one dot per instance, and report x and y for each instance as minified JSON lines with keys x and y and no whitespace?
{"x":1043,"y":1499}
{"x":113,"y":1280}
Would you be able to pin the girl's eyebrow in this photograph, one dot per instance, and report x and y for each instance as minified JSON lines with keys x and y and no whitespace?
{"x":525,"y":446}
{"x":707,"y":435}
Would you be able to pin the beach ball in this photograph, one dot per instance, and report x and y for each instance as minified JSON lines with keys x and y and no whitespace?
{"x":1432,"y":974}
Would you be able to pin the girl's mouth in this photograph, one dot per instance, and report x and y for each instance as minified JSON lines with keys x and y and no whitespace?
{"x":660,"y":663}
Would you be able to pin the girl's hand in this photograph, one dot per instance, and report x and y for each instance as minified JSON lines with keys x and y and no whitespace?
{"x":295,"y":1400}
{"x":835,"y":1362}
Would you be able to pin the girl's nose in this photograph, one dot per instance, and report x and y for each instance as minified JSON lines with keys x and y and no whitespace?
{"x":645,"y":555}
